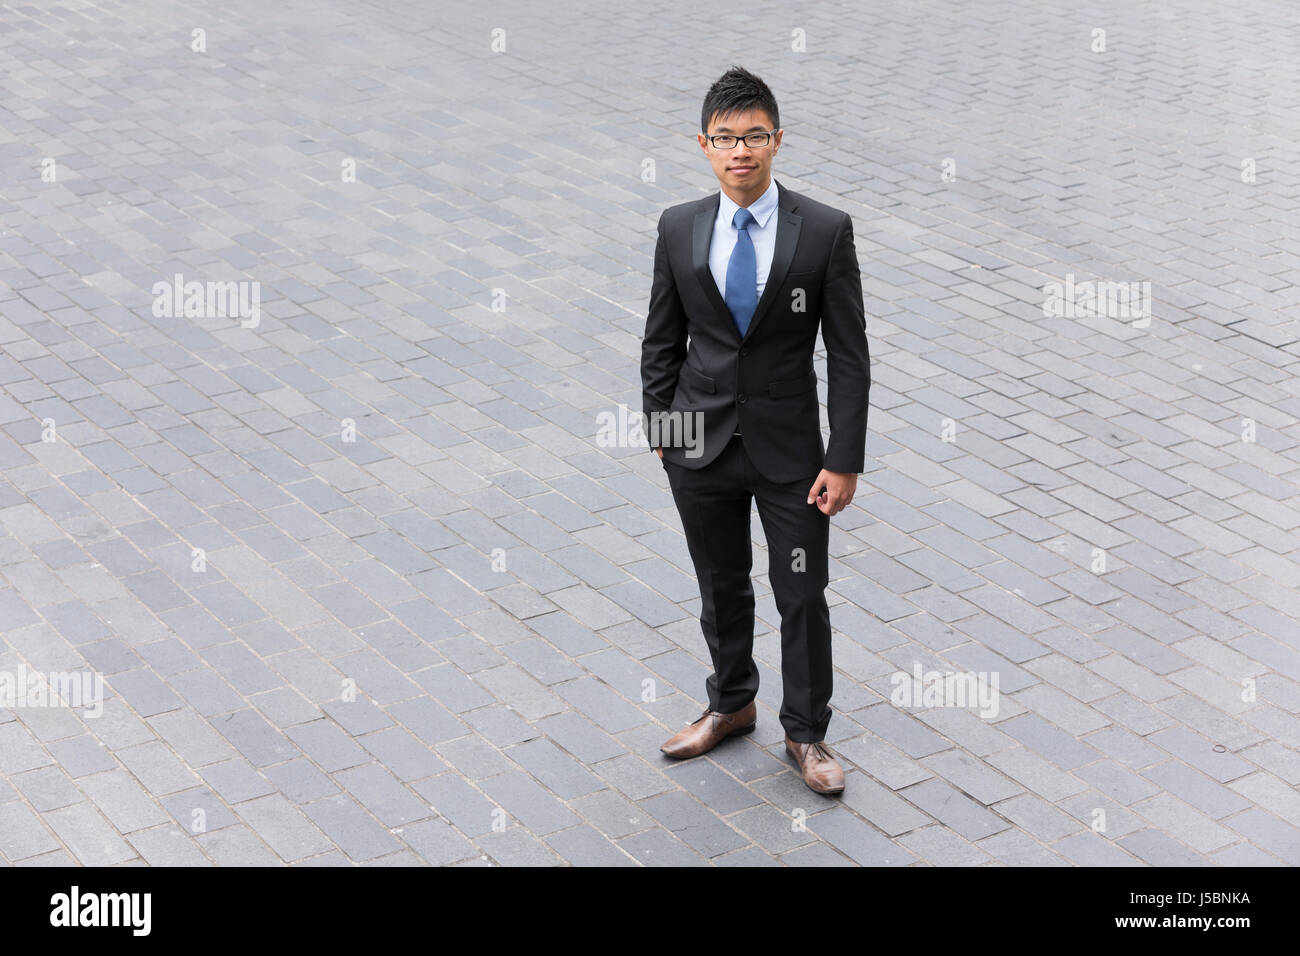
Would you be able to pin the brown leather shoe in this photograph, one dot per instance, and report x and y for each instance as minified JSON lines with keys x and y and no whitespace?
{"x":821,"y":771}
{"x":710,"y":728}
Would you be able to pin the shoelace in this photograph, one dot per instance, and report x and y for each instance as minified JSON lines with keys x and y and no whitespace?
{"x":709,"y":713}
{"x":819,"y":749}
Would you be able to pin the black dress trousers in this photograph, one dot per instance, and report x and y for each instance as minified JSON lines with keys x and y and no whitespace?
{"x":714,"y":503}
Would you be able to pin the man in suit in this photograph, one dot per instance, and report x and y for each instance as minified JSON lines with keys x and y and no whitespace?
{"x":742,"y":279}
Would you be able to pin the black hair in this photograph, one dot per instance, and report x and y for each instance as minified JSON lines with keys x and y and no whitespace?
{"x":738,"y":91}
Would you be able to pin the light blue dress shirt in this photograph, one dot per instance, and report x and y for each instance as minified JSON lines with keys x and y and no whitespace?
{"x":762,"y":231}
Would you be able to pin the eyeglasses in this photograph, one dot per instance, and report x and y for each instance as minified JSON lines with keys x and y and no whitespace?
{"x":752,"y":140}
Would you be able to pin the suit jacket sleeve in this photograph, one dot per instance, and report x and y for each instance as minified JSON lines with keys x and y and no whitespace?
{"x":848,"y":362}
{"x":663,"y":349}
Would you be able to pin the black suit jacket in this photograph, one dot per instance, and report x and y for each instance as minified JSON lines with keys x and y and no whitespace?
{"x":694,"y":360}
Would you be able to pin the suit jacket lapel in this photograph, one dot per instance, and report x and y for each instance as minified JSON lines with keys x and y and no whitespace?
{"x":703,"y":234}
{"x":787,"y":237}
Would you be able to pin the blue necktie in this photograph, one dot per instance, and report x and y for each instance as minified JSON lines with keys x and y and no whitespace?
{"x":742,"y":273}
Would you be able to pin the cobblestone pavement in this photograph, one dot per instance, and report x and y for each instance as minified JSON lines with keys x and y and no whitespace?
{"x":365,"y":587}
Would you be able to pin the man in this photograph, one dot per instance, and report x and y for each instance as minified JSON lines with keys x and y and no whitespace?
{"x":742,"y":279}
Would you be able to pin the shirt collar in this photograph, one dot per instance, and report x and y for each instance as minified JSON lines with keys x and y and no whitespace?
{"x":761,"y":208}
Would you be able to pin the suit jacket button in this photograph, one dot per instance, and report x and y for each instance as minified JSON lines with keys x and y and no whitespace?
{"x":743,"y":398}
{"x":744,"y":351}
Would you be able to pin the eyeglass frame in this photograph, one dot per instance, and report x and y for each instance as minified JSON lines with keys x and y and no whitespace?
{"x":766,"y":143}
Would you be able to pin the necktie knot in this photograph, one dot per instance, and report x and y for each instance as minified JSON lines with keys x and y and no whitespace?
{"x":742,"y":219}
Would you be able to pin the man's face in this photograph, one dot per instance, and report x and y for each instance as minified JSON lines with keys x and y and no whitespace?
{"x":742,"y":170}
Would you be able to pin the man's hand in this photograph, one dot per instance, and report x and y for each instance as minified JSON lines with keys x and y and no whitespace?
{"x":659,"y":452}
{"x":839,"y":487}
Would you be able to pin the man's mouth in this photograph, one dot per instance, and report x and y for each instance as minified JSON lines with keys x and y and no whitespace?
{"x":742,"y":169}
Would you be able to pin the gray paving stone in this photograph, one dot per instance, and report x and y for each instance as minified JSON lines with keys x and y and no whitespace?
{"x":1185,"y":823}
{"x":659,"y":847}
{"x":285,"y":828}
{"x":1132,"y":750}
{"x":1119,"y":784}
{"x":954,"y":809}
{"x":555,"y":769}
{"x":372,"y":560}
{"x":436,"y":842}
{"x":1244,"y":854}
{"x":1265,"y":830}
{"x":325,"y":743}
{"x":253,"y":737}
{"x":942,"y":847}
{"x":693,"y":823}
{"x":1015,"y":848}
{"x":383,"y":795}
{"x":856,"y":840}
{"x":1037,"y":817}
{"x":351,"y":828}
{"x":712,"y":786}
{"x":168,"y":846}
{"x":158,"y":769}
{"x":403,"y":754}
{"x":1036,"y":774}
{"x":198,"y":811}
{"x":463,"y":805}
{"x":453,"y":689}
{"x":746,"y":857}
{"x":769,"y":828}
{"x":1089,"y":849}
{"x":585,"y":846}
{"x":22,"y":834}
{"x":1158,"y":849}
{"x":47,"y":789}
{"x":1283,"y":762}
{"x":901,"y":729}
{"x":301,"y":781}
{"x":1200,"y":753}
{"x":427,"y":719}
{"x":1196,"y":789}
{"x":237,"y":846}
{"x":816,"y":855}
{"x":581,"y":738}
{"x":122,"y":800}
{"x":526,"y":801}
{"x":236,"y":780}
{"x":92,"y":839}
{"x":83,"y":755}
{"x":474,"y":757}
{"x":972,"y":777}
{"x":207,"y":693}
{"x":145,"y":692}
{"x":1051,"y":742}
